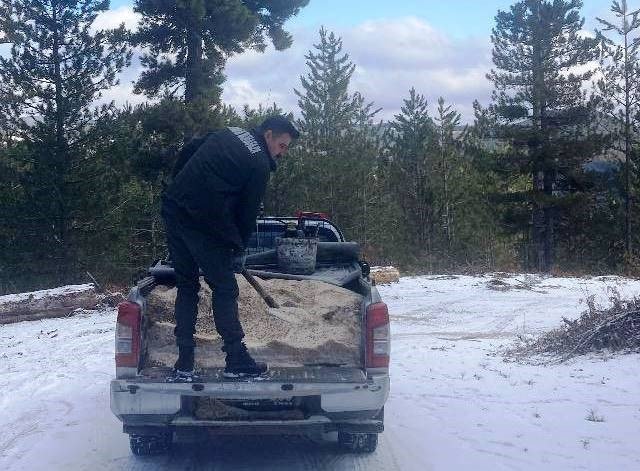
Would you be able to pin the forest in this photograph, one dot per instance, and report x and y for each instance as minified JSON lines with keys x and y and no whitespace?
{"x":542,"y":180}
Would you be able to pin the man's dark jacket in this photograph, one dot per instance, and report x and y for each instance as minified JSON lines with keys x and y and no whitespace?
{"x":220,"y":187}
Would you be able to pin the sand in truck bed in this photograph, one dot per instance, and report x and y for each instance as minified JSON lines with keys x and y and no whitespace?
{"x":317,"y":323}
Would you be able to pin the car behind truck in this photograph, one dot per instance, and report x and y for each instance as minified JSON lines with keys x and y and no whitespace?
{"x":302,"y":399}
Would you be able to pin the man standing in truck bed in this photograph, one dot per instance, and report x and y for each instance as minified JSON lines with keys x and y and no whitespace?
{"x":210,"y":211}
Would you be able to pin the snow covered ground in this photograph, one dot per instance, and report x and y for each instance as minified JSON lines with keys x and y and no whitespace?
{"x":33,"y":295}
{"x":454,"y":403}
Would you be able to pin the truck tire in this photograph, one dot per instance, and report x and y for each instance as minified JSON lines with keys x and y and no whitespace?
{"x":358,"y":442}
{"x":146,"y":445}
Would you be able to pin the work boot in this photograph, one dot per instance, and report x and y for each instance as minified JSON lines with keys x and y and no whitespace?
{"x":239,"y":362}
{"x":183,"y":371}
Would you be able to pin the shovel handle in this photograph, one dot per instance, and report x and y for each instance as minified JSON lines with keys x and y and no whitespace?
{"x":252,"y":281}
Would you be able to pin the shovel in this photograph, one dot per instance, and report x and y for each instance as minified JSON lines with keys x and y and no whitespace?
{"x":252,"y":281}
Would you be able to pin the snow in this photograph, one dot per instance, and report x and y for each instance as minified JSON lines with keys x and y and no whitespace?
{"x":45,"y":293}
{"x":454,"y":403}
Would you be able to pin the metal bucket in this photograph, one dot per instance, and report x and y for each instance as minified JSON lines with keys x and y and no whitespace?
{"x":297,"y":255}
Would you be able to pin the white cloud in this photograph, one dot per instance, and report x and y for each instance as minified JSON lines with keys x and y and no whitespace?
{"x":406,"y":42}
{"x":122,"y":94}
{"x":391,"y":56}
{"x":240,"y":92}
{"x":111,"y":19}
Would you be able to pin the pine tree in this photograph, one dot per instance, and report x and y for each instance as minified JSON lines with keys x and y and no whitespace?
{"x":619,"y":91}
{"x":189,"y":41}
{"x":537,"y":48}
{"x":57,"y":67}
{"x":446,"y":121}
{"x":325,"y":103}
{"x":411,"y":153}
{"x":338,"y":151}
{"x":476,"y":181}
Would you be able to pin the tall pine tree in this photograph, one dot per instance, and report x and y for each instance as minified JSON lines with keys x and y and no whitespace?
{"x":537,"y":52}
{"x":189,"y":41}
{"x":447,"y":120}
{"x":619,"y":91}
{"x":57,"y":67}
{"x":325,"y":103}
{"x":338,"y":151}
{"x":411,"y":155}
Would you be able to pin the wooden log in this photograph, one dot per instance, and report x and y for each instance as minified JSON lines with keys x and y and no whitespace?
{"x":58,"y":302}
{"x":383,"y":275}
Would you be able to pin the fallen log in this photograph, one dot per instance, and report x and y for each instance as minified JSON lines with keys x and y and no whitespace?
{"x":383,"y":275}
{"x":57,"y":302}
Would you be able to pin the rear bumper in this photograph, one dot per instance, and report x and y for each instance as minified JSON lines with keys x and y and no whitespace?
{"x":186,"y":427}
{"x":151,"y":406}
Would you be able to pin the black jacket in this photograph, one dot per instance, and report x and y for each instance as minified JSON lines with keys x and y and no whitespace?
{"x":220,"y":187}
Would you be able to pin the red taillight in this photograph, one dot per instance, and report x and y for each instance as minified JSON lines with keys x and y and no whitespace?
{"x":128,"y":335}
{"x":378,"y":336}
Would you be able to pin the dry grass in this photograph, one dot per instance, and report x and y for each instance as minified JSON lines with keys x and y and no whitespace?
{"x":506,"y":282}
{"x":616,"y":328}
{"x":593,"y":417}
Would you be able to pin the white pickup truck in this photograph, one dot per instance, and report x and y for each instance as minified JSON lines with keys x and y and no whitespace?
{"x":287,"y":400}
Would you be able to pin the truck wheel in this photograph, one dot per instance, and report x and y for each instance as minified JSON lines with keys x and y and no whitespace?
{"x":358,"y":442}
{"x":146,"y":445}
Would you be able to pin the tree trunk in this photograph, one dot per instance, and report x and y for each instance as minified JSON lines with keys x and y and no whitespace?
{"x":627,"y":146}
{"x":549,"y":185}
{"x":544,"y":177}
{"x":60,"y":157}
{"x":539,"y":222}
{"x":193,"y":72}
{"x":445,"y":190}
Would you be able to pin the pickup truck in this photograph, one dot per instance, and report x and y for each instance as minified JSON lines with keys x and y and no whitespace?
{"x":287,"y":400}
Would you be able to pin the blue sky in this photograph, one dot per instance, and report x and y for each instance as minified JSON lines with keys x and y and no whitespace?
{"x":440,"y":47}
{"x":459,"y":17}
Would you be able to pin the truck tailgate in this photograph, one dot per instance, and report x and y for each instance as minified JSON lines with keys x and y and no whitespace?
{"x":150,"y":399}
{"x":276,"y":376}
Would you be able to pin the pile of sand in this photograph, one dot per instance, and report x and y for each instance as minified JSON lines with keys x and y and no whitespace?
{"x":317,"y":323}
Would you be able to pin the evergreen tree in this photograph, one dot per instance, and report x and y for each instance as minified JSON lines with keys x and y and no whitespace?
{"x":440,"y":182}
{"x":325,"y":103}
{"x":446,"y":121}
{"x":189,"y":41}
{"x":57,"y":67}
{"x":619,"y":91}
{"x":339,"y":147}
{"x":477,"y":180}
{"x":537,"y":49}
{"x":411,"y":154}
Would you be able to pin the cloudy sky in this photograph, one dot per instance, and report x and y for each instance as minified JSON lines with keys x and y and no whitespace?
{"x":440,"y":47}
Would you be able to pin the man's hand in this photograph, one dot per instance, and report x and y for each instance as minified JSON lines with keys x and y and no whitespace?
{"x":237,"y":264}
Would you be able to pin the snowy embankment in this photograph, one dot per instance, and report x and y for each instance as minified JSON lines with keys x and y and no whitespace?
{"x":454,"y":403}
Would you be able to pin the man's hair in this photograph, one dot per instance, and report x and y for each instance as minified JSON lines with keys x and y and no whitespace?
{"x":279,"y":124}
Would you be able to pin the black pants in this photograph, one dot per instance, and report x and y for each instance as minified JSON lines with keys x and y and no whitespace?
{"x":191,"y":249}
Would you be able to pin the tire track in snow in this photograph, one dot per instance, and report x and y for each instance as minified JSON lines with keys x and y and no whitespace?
{"x":15,"y":431}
